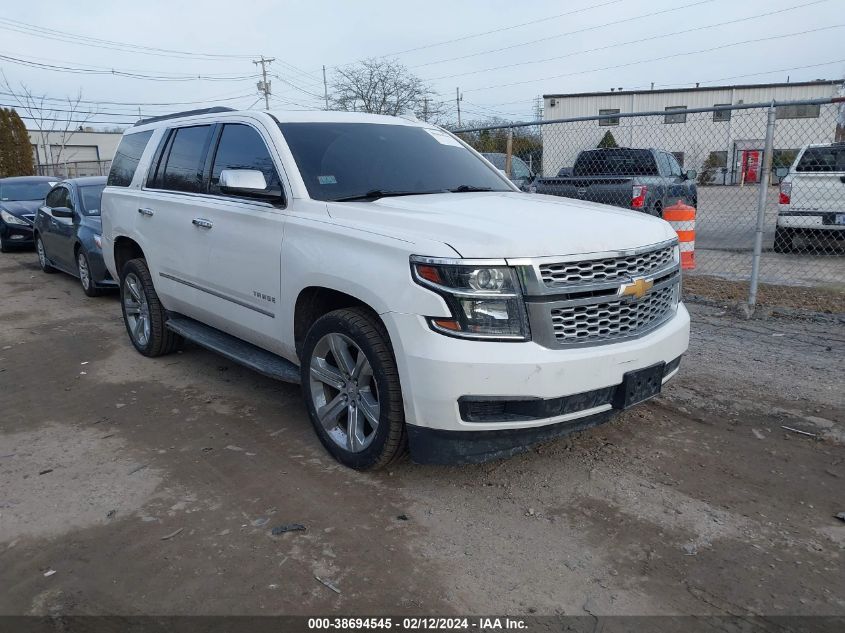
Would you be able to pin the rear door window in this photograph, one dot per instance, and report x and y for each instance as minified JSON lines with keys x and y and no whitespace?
{"x":182,"y":162}
{"x":241,"y":147}
{"x":822,"y":159}
{"x":126,"y":158}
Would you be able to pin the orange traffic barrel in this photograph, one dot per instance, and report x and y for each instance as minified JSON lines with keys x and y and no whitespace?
{"x":682,"y":218}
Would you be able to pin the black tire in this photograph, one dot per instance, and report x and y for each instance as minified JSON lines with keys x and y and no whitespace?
{"x":784,"y":242}
{"x":91,"y":289}
{"x":160,"y":340}
{"x":367,"y":332}
{"x":41,"y":253}
{"x":4,"y":247}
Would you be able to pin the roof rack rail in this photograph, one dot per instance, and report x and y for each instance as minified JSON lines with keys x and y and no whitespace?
{"x":176,"y":115}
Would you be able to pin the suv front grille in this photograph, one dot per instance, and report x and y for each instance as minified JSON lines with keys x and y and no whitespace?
{"x":603,"y":270}
{"x":609,"y":320}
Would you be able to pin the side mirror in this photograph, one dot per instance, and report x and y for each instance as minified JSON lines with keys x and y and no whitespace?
{"x":61,"y":212}
{"x":249,"y":183}
{"x":782,"y":172}
{"x":690,"y":174}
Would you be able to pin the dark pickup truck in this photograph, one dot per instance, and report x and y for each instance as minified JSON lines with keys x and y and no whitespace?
{"x":646,"y":180}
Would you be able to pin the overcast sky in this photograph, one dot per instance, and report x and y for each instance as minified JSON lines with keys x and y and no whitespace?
{"x":448,"y":44}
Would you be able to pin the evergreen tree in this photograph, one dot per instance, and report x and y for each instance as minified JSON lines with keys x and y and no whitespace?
{"x":23,"y":146}
{"x":607,"y":141}
{"x":15,"y":147}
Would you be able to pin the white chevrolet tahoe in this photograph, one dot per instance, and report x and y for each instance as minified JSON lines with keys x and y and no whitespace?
{"x":812,"y":200}
{"x":420,"y":299}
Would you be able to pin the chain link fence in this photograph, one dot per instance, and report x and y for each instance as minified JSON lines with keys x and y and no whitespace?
{"x":767,"y":182}
{"x":74,"y":169}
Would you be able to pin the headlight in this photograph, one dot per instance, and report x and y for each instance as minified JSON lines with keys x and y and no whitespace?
{"x":8,"y":218}
{"x":98,"y":240}
{"x":485,"y":300}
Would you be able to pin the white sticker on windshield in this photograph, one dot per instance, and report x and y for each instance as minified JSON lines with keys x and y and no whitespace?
{"x":442,"y":137}
{"x":52,"y":183}
{"x":327,"y":180}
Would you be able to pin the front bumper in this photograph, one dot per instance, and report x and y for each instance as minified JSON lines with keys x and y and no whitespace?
{"x":437,"y":372}
{"x":16,"y":234}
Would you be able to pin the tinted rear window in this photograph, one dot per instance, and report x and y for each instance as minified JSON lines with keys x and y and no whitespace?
{"x":822,"y":159}
{"x":615,"y":162}
{"x":126,"y":158}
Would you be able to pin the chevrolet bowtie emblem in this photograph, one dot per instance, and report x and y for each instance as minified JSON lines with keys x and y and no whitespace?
{"x":636,"y":289}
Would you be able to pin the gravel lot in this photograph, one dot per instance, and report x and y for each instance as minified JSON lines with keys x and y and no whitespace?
{"x":152,"y":486}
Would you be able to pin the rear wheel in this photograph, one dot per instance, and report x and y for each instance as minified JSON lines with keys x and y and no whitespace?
{"x":84,"y":271}
{"x":352,"y":391}
{"x":42,"y":256}
{"x":784,"y":240}
{"x":143,"y":314}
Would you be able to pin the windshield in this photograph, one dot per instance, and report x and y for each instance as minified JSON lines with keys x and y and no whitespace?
{"x":615,"y":162}
{"x":90,"y":197}
{"x":13,"y":191}
{"x":822,"y":159}
{"x":345,"y":160}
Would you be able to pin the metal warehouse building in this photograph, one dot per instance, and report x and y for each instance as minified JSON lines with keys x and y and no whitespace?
{"x":729,"y":141}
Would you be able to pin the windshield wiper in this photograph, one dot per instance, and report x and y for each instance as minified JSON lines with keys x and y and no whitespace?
{"x":468,"y":189}
{"x":375,"y":194}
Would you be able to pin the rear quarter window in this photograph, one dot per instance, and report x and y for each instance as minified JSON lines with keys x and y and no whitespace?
{"x":126,"y":158}
{"x":822,"y":159}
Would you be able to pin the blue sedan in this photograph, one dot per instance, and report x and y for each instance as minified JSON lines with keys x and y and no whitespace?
{"x":67,"y":231}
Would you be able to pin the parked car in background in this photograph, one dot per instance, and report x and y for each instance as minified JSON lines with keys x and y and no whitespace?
{"x":647,"y":180}
{"x":414,"y":292}
{"x":811,"y":204}
{"x":67,"y":232}
{"x":20,"y":197}
{"x":521,"y":174}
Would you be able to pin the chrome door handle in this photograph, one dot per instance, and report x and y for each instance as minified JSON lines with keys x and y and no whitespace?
{"x":146,"y":211}
{"x":202,"y":223}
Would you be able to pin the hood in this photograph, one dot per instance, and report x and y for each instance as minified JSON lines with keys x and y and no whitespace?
{"x":20,"y":207}
{"x":505,"y":224}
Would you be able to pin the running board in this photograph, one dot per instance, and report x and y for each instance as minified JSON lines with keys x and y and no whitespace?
{"x":234,"y":349}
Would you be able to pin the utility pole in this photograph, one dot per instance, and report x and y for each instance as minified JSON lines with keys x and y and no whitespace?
{"x":538,"y":108}
{"x":425,"y":109}
{"x":458,"y":98}
{"x":325,"y":87}
{"x":264,"y":85}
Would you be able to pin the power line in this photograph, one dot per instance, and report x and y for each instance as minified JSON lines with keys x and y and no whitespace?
{"x":640,"y":40}
{"x":502,"y":29}
{"x":655,"y":59}
{"x":47,"y":33}
{"x":121,"y":73}
{"x":138,"y":103}
{"x":559,"y":35}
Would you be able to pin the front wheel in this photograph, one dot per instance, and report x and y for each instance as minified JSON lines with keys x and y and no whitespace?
{"x":84,"y":272}
{"x":143,"y":314}
{"x":351,"y":387}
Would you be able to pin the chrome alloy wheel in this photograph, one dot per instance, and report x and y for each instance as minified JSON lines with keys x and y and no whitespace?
{"x":84,"y":274}
{"x":344,"y":392}
{"x":136,"y":309}
{"x":42,"y":256}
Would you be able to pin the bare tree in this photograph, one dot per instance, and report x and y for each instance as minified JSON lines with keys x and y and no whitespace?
{"x":55,"y":125}
{"x":380,"y":86}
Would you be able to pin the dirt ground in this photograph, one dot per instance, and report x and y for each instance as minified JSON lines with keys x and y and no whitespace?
{"x":137,"y":486}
